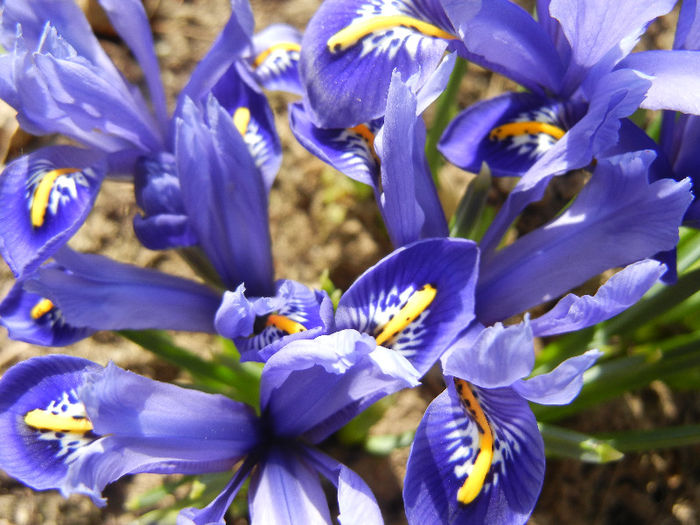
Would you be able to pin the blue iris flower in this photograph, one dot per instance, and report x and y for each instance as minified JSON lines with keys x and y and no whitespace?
{"x":72,"y":425}
{"x":59,"y":80}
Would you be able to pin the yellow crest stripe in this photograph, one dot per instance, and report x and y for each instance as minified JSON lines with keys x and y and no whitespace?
{"x":359,"y":29}
{"x":241,"y":119}
{"x":285,"y":324}
{"x":285,"y":46}
{"x":45,"y":420}
{"x":43,"y":307}
{"x":475,"y":481}
{"x":530,"y":127}
{"x":42,"y":194}
{"x":416,"y":304}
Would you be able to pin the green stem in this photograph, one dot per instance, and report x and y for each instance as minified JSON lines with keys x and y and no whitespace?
{"x":445,"y":110}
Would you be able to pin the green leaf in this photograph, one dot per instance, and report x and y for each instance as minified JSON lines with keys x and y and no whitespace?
{"x":564,"y":443}
{"x":357,"y":429}
{"x":654,"y":439}
{"x":469,"y":214}
{"x":610,"y":379}
{"x":329,"y":287}
{"x":234,"y":379}
{"x":446,"y":109}
{"x":383,"y":445}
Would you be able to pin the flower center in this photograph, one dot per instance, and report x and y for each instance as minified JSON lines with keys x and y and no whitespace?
{"x":531,"y":127}
{"x":42,"y":194}
{"x":47,"y":420}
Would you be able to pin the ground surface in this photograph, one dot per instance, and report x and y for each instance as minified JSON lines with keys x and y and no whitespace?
{"x":319,"y":220}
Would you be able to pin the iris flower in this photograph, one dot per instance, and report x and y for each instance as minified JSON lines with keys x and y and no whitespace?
{"x":72,"y":425}
{"x":478,"y":456}
{"x":59,"y":80}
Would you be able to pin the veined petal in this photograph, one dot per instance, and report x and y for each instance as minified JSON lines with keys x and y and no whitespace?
{"x":503,"y":37}
{"x":76,"y":426}
{"x":312,"y":387}
{"x":688,"y":28}
{"x":618,"y":293}
{"x":618,"y":96}
{"x":213,"y":514}
{"x":225,"y":197}
{"x":449,"y":478}
{"x":561,"y":385}
{"x":60,"y":91}
{"x":618,"y":218}
{"x":260,"y":326}
{"x":46,"y":197}
{"x":274,"y":58}
{"x":253,"y":118}
{"x":164,"y":223}
{"x":285,"y":490}
{"x":347,"y":43}
{"x":350,"y":151}
{"x":510,"y":133}
{"x":102,"y":294}
{"x":130,"y":21}
{"x":602,"y":33}
{"x":355,"y":499}
{"x":231,"y":43}
{"x":35,"y":319}
{"x":64,"y":15}
{"x":409,"y":202}
{"x":669,"y":70}
{"x":498,"y":358}
{"x":416,"y":300}
{"x":38,"y":454}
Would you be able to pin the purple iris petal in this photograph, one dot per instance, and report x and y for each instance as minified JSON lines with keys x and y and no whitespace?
{"x":616,"y":97}
{"x":472,"y":136}
{"x":96,"y":292}
{"x":274,"y":58}
{"x":618,"y":218}
{"x":164,"y":223}
{"x":286,"y":490}
{"x":61,"y":91}
{"x":688,"y":28}
{"x":213,"y":514}
{"x":443,"y":267}
{"x":234,"y":38}
{"x":130,"y":20}
{"x":236,"y":93}
{"x":445,"y":448}
{"x":669,"y":70}
{"x":337,"y":91}
{"x":313,"y":387}
{"x":225,"y":197}
{"x":503,"y":37}
{"x":409,"y":201}
{"x":47,"y":383}
{"x":350,"y":150}
{"x":64,"y":15}
{"x":34,"y":319}
{"x":355,"y":500}
{"x":601,"y":33}
{"x":46,"y":197}
{"x":618,"y":293}
{"x":561,"y":385}
{"x":483,"y":361}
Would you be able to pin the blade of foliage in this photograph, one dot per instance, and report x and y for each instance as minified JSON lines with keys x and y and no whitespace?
{"x":563,"y":443}
{"x":654,"y":439}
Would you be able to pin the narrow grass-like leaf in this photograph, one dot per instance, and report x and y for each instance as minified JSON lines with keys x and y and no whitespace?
{"x":563,"y":443}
